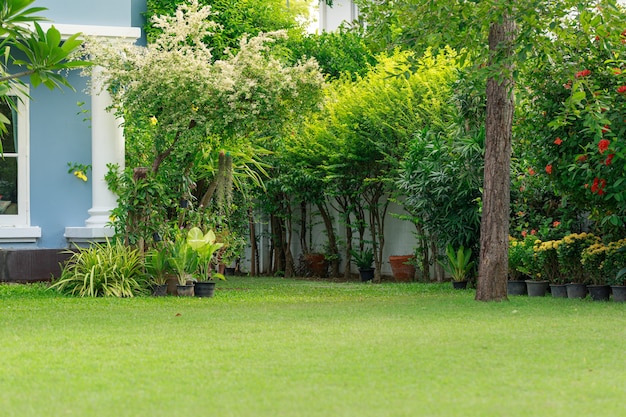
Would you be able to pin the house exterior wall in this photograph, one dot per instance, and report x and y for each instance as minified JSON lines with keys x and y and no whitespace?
{"x":60,"y":130}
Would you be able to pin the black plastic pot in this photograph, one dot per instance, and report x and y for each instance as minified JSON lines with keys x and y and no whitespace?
{"x":204,"y":289}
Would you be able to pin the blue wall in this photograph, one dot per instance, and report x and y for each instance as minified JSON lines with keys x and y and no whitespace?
{"x":58,"y":135}
{"x":88,"y":12}
{"x":58,"y":132}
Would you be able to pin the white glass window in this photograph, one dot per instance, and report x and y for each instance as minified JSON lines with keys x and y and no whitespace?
{"x":14,"y":182}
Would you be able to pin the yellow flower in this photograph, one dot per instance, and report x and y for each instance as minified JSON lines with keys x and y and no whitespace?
{"x":154,"y":121}
{"x":194,"y":108}
{"x":80,"y":175}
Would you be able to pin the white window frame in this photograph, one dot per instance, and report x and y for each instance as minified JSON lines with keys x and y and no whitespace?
{"x":16,"y":227}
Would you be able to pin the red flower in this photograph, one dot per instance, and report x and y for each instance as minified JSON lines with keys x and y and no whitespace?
{"x":556,"y":223}
{"x":531,"y":171}
{"x":606,"y":129}
{"x":581,"y":158}
{"x":621,"y":89}
{"x":533,"y":232}
{"x":583,"y":73}
{"x":603,"y":145}
{"x":617,"y":71}
{"x":558,"y":141}
{"x":609,"y":159}
{"x":549,"y":169}
{"x":598,"y":186}
{"x":594,"y":186}
{"x":524,"y":233}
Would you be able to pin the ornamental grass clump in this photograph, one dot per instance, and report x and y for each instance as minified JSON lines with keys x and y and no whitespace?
{"x":569,"y":254}
{"x":103,"y":270}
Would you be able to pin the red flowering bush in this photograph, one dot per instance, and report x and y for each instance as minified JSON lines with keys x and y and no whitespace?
{"x":574,"y":126}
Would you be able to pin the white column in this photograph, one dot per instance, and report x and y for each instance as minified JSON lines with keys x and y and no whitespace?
{"x":107,"y":146}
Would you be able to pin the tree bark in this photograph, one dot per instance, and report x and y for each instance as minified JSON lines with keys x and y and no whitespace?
{"x":494,"y":227}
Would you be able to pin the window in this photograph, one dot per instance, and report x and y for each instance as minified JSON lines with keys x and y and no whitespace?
{"x":14,"y":178}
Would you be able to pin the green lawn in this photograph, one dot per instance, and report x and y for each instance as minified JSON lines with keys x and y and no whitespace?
{"x":274,"y":347}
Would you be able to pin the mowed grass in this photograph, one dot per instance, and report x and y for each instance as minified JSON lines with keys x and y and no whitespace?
{"x":276,"y":347}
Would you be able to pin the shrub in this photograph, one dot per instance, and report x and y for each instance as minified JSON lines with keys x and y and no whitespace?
{"x":614,"y":262}
{"x":102,"y":269}
{"x":570,"y":252}
{"x":547,"y":261}
{"x":521,"y":257}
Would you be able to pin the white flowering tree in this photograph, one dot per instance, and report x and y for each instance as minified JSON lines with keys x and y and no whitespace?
{"x":181,"y":106}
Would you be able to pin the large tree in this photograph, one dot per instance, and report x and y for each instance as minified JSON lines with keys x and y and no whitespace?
{"x":499,"y":37}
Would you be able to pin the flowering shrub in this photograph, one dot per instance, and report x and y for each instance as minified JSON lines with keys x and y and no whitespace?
{"x":573,"y":122}
{"x":592,"y":259}
{"x":521,"y":257}
{"x":547,"y":261}
{"x":569,"y":254}
{"x":615,"y":260}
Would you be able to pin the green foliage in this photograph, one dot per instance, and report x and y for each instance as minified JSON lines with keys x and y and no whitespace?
{"x":156,"y":262}
{"x":363,"y":259}
{"x":103,"y":269}
{"x":236,"y":19}
{"x":205,"y":245}
{"x":338,"y":53}
{"x":183,"y":259}
{"x":44,"y":53}
{"x":459,"y":262}
{"x":570,"y":252}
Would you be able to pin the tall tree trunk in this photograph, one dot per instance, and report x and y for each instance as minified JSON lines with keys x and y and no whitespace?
{"x":494,"y":227}
{"x":254,"y":259}
{"x":332,"y":239}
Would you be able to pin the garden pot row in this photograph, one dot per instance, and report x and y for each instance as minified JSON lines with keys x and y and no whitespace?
{"x":579,"y":291}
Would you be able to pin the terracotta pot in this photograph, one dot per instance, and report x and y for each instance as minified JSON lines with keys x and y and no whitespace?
{"x":402,"y":271}
{"x":316,"y":264}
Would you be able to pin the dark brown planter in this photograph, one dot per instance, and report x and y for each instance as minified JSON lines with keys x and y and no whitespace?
{"x":159,"y":290}
{"x":316,"y":264}
{"x":402,"y":270}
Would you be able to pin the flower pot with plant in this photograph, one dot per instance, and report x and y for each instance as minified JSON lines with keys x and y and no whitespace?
{"x":458,"y":263}
{"x":546,"y":268}
{"x":614,"y":268}
{"x":184,"y":262}
{"x":592,"y":259}
{"x":205,"y":246}
{"x":364,"y":261}
{"x":158,"y":269}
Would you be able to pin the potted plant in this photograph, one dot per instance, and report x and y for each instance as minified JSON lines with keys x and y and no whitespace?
{"x":569,"y":254}
{"x":157,"y":268}
{"x":184,"y":262}
{"x":614,"y":268}
{"x":205,"y":246}
{"x":364,"y":261}
{"x":592,"y":259}
{"x":545,"y":269}
{"x":459,"y":265}
{"x":521,"y":262}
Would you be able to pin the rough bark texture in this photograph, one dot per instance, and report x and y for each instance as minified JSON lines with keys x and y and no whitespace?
{"x":494,"y":228}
